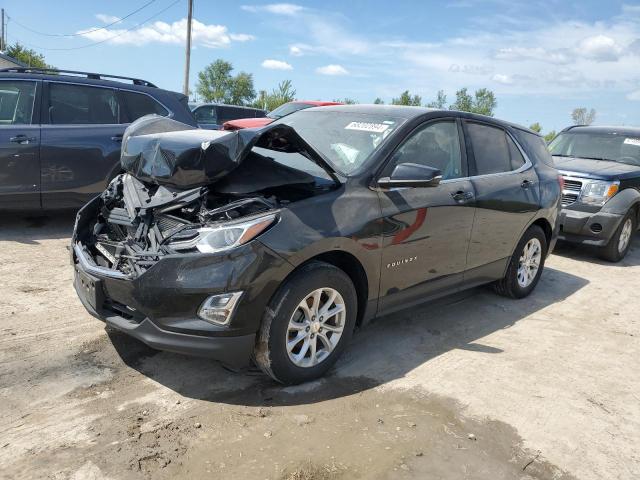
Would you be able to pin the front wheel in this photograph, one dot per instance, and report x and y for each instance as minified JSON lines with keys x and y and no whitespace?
{"x":525,"y":266}
{"x":620,"y":242}
{"x":307,"y":324}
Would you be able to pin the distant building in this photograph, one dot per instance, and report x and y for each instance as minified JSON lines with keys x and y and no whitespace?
{"x":8,"y":62}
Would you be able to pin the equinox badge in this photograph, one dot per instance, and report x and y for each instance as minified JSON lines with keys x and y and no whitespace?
{"x":402,"y":261}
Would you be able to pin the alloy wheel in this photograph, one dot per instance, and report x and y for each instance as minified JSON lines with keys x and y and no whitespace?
{"x":625,"y":235}
{"x":529,"y":262}
{"x":315,"y":327}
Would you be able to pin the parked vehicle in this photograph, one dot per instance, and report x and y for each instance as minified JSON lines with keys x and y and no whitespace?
{"x":276,"y":243}
{"x":281,"y":111}
{"x":212,"y":115}
{"x":601,"y":194}
{"x":60,"y":132}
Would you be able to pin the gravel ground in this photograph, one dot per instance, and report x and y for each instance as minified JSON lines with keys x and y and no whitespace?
{"x":475,"y":386}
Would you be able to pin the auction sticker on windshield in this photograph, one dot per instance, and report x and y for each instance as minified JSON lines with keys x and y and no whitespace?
{"x":632,"y":141}
{"x":367,"y":127}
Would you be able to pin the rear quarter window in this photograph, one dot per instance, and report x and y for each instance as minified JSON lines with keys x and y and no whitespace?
{"x":138,"y":105}
{"x":535,"y":147}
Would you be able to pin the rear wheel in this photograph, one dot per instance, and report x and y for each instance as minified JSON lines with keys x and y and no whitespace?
{"x":307,"y":324}
{"x":620,"y":242}
{"x":525,"y":266}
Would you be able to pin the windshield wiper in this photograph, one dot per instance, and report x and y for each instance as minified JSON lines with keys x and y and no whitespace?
{"x":562,"y":155}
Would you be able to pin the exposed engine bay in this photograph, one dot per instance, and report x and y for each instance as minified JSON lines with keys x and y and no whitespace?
{"x":235,"y":193}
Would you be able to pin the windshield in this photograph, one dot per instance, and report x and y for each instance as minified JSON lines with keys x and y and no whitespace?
{"x":600,"y":146}
{"x":346,"y":140}
{"x":286,"y":109}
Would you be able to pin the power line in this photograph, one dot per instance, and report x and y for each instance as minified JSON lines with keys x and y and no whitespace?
{"x":110,"y":38}
{"x":81,"y":33}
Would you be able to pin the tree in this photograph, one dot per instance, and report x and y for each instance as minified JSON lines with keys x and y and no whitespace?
{"x":582,"y":116}
{"x":550,"y":136}
{"x":283,"y":93}
{"x":536,"y":127}
{"x":407,"y":99}
{"x":378,"y":101}
{"x":216,"y":84}
{"x":29,"y":57}
{"x":483,"y":102}
{"x":440,"y":102}
{"x":346,"y":101}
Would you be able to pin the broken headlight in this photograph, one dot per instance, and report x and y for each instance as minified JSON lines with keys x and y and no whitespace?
{"x":229,"y":235}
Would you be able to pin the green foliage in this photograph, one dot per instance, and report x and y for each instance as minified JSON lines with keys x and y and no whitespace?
{"x":550,"y":136}
{"x":483,"y":102}
{"x":407,"y":99}
{"x":582,"y":116}
{"x":282,"y":94}
{"x":27,"y":56}
{"x":346,"y":101}
{"x":536,"y":127}
{"x":216,"y":84}
{"x":378,"y":101}
{"x":440,"y":102}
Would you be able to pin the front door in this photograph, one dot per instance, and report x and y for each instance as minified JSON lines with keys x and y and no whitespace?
{"x":426,"y":231}
{"x":19,"y":145}
{"x":81,"y":138}
{"x":507,"y":198}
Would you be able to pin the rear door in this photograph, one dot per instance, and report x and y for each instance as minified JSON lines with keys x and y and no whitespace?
{"x":80,"y":146}
{"x":426,"y":231}
{"x":19,"y":145}
{"x":507,"y":198}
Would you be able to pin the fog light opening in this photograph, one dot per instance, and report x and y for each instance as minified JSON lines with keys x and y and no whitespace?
{"x":596,"y":227}
{"x":218,"y":309}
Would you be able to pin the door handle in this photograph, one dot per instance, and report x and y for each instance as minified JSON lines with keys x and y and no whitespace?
{"x":22,"y":139}
{"x":461,"y":196}
{"x":117,"y":138}
{"x":525,"y":184}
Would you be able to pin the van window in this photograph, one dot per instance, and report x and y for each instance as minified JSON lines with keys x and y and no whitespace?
{"x":206,"y":115}
{"x":16,"y":102}
{"x":138,"y":105}
{"x":82,"y":104}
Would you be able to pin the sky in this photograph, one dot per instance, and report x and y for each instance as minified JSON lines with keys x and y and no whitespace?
{"x":541,"y":58}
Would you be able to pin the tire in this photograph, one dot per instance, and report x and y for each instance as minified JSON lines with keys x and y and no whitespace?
{"x":511,"y":285}
{"x":286,"y":320}
{"x":618,"y":247}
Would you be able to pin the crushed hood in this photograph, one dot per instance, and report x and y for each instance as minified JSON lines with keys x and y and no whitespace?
{"x":162,"y":151}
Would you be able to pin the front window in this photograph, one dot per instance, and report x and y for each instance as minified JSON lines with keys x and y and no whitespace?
{"x":16,"y":102}
{"x":287,"y":109}
{"x":346,"y":140}
{"x":613,"y":146}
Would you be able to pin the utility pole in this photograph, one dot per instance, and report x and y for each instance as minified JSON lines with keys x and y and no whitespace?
{"x":2,"y":46}
{"x":185,"y":89}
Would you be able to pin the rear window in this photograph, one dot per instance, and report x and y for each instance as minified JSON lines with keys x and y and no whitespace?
{"x":226,"y":114}
{"x":490,"y":149}
{"x":206,"y":115}
{"x":138,"y":105}
{"x":81,"y":104}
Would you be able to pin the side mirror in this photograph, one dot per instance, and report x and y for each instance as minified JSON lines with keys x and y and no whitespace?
{"x":411,"y":175}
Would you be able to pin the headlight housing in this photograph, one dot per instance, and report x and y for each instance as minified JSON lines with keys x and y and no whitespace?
{"x":230,"y":235}
{"x":598,"y":192}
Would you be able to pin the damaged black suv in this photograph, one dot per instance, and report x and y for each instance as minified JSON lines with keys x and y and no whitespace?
{"x":274,"y":244}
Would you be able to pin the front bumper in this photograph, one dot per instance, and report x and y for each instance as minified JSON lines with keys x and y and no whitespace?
{"x":588,"y":228}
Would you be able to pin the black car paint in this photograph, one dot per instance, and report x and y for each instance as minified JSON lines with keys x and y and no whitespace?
{"x":577,"y":219}
{"x":400,"y":246}
{"x":64,"y":166}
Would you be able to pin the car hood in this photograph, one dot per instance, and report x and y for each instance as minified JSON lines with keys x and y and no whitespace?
{"x":596,"y":169}
{"x":158,"y":150}
{"x":247,"y":123}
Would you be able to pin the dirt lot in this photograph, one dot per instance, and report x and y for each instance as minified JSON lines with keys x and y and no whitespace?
{"x":474,"y":387}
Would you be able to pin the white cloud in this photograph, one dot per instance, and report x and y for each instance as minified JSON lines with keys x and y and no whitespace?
{"x":288,"y":9}
{"x":276,"y":65}
{"x":635,"y":96}
{"x":502,"y":78}
{"x":295,"y":50}
{"x":211,"y":36}
{"x":600,"y":48}
{"x":332,"y":70}
{"x":105,"y":18}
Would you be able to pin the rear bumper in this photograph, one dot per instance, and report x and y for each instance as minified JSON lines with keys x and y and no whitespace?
{"x":588,"y":228}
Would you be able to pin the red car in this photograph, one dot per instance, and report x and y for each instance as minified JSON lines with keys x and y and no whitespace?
{"x":279,"y":112}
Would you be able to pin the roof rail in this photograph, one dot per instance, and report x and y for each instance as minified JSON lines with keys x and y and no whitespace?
{"x":94,"y":76}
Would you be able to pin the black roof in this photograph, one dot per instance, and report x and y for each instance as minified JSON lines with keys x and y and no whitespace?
{"x":213,"y":104}
{"x":631,"y":131}
{"x":407,"y":112}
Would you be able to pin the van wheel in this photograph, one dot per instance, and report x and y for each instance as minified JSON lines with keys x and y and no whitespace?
{"x":525,"y":266}
{"x":307,"y":324}
{"x":620,"y":242}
